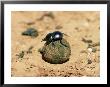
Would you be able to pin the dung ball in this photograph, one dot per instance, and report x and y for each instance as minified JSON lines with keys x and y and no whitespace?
{"x":56,"y":52}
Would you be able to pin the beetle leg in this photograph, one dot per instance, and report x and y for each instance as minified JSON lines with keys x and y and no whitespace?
{"x":53,"y":43}
{"x":62,"y":43}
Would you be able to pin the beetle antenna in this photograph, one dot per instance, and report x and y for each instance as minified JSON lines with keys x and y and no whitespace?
{"x":65,"y":34}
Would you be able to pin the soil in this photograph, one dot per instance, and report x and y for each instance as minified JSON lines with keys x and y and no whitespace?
{"x":82,"y":31}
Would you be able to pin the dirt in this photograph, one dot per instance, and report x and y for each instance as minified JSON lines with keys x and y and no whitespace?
{"x":82,"y":31}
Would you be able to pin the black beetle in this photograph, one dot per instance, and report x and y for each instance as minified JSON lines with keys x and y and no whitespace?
{"x":54,"y":36}
{"x":51,"y":37}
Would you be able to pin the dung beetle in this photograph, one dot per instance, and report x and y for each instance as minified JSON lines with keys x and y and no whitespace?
{"x":54,"y":36}
{"x":51,"y":37}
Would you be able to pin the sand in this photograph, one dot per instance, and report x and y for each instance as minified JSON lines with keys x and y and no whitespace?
{"x":81,"y":29}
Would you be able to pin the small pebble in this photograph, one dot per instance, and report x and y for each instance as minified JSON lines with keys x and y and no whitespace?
{"x":94,"y":50}
{"x":58,"y":27}
{"x":94,"y":44}
{"x":86,"y":41}
{"x":30,"y":32}
{"x":89,"y":61}
{"x":30,"y":23}
{"x":30,"y":49}
{"x":90,"y":49}
{"x":49,"y":14}
{"x":20,"y":55}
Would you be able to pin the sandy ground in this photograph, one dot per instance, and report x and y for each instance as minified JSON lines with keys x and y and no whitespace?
{"x":81,"y":28}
